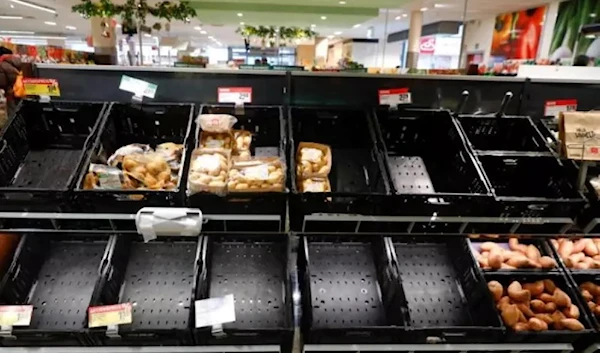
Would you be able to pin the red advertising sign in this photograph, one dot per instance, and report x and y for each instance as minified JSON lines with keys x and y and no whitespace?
{"x":427,"y":45}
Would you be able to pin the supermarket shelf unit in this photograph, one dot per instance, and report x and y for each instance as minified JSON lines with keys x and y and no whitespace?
{"x":344,"y":260}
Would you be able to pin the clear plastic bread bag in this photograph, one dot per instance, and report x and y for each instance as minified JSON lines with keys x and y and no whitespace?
{"x":315,"y":185}
{"x":151,"y":170}
{"x":241,"y":147}
{"x":216,"y":122}
{"x":313,"y":160}
{"x":261,"y":174}
{"x":217,"y":140}
{"x":208,"y":171}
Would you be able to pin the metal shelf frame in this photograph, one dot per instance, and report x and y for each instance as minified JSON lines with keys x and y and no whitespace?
{"x":408,"y":224}
{"x":49,"y":222}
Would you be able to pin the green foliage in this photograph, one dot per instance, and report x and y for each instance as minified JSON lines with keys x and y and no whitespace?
{"x":138,"y":10}
{"x":271,"y":33}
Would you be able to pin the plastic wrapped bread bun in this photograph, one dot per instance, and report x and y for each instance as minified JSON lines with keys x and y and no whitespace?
{"x":256,"y":175}
{"x":216,"y":140}
{"x":216,"y":122}
{"x":315,"y":185}
{"x":241,"y":147}
{"x":313,"y":160}
{"x":208,"y":171}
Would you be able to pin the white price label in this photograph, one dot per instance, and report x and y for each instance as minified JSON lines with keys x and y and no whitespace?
{"x":394,"y":96}
{"x":108,"y":315}
{"x":553,"y":108}
{"x":237,"y":95}
{"x":15,"y":315}
{"x":215,"y":311}
{"x":138,"y":87}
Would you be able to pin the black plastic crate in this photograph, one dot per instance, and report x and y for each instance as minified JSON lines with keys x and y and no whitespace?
{"x":41,"y":151}
{"x":548,"y":336}
{"x":506,"y":134}
{"x":159,"y":279}
{"x":531,"y":186}
{"x":430,"y":168}
{"x":349,"y":291}
{"x":152,"y":124}
{"x":357,"y":177}
{"x":254,"y":268}
{"x":269,"y":139}
{"x":543,"y":247}
{"x":577,"y":279}
{"x":58,"y":276}
{"x":447,"y":301}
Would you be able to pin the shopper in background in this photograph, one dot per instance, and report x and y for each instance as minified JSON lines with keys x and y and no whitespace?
{"x":10,"y":66}
{"x":582,"y":60}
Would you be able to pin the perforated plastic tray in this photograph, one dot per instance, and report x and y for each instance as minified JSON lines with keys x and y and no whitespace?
{"x":410,"y":175}
{"x":445,"y":298}
{"x":58,"y":278}
{"x":159,"y":280}
{"x":254,"y":269}
{"x":348,"y":295}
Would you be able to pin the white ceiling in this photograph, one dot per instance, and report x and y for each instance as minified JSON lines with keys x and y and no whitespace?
{"x":451,"y":10}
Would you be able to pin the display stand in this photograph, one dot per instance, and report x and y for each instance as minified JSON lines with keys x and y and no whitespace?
{"x":244,"y":243}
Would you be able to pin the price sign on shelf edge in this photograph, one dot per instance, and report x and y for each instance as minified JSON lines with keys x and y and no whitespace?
{"x":214,"y":311}
{"x":553,"y":108}
{"x":138,"y":87}
{"x":15,"y":315}
{"x":41,"y":87}
{"x":236,"y":95}
{"x":394,"y":96}
{"x":108,"y":315}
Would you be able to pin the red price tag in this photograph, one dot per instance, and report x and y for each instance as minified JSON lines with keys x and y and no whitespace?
{"x":394,"y":96}
{"x":553,"y":108}
{"x":237,"y":95}
{"x":108,"y":315}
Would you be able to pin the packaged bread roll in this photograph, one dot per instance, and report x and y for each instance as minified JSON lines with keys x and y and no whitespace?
{"x":216,"y":122}
{"x":216,"y":140}
{"x":208,"y":171}
{"x":315,"y":185}
{"x":265,"y":174}
{"x":241,"y":147}
{"x":313,"y":160}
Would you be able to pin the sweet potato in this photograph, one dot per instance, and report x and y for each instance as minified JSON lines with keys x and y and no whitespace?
{"x":547,"y":262}
{"x":579,"y":245}
{"x":591,"y":249}
{"x":572,"y":311}
{"x":535,"y":288}
{"x":521,"y":326}
{"x":546,"y":298}
{"x":517,"y":293}
{"x":538,"y":306}
{"x":572,"y":324}
{"x":537,"y":325}
{"x":557,"y":317}
{"x":586,"y":295}
{"x":524,"y":308}
{"x":550,"y":307}
{"x":547,"y":318}
{"x":503,"y":302}
{"x":488,"y":246}
{"x":495,"y":260}
{"x":533,"y":253}
{"x":565,"y":249}
{"x":549,"y":286}
{"x":496,"y":289}
{"x":510,"y":315}
{"x":561,"y":299}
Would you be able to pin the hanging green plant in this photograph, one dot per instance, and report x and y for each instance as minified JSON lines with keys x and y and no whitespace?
{"x":271,"y":33}
{"x":137,"y":10}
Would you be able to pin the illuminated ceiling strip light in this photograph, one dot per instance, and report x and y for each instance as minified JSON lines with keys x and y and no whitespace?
{"x":34,"y":6}
{"x":17,"y":32}
{"x":38,"y":37}
{"x":8,"y":17}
